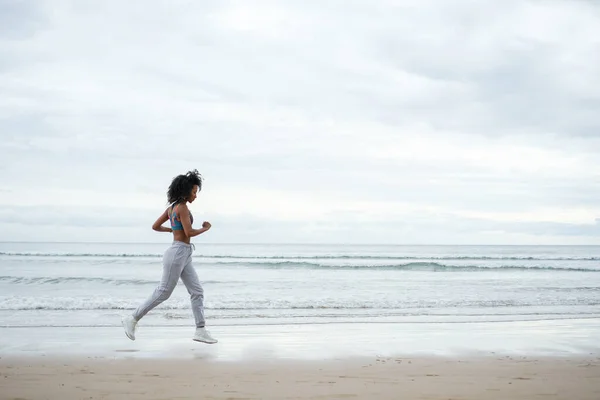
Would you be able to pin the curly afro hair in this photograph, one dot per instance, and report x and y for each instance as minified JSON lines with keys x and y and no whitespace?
{"x":182,"y":185}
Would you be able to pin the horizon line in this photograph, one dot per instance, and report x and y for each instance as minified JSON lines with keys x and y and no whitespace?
{"x":297,"y":243}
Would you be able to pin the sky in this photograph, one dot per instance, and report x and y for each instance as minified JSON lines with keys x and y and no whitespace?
{"x":388,"y":122}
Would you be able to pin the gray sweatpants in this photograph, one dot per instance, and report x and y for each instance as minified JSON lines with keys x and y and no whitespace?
{"x":177,"y":263}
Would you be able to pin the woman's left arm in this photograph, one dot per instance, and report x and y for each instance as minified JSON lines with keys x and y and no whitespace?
{"x":157,"y":226}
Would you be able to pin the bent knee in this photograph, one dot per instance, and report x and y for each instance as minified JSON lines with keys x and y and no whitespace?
{"x":197,"y":292}
{"x":165,"y":293}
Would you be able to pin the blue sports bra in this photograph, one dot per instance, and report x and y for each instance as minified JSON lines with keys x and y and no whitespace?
{"x":176,"y":221}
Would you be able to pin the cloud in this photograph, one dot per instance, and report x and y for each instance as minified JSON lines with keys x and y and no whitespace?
{"x":338,"y":121}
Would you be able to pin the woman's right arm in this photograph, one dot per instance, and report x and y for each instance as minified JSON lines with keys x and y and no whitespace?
{"x":184,"y":216}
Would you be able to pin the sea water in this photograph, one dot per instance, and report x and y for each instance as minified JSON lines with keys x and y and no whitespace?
{"x":93,"y":284}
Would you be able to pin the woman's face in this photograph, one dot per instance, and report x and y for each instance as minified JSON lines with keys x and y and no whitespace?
{"x":194,"y":194}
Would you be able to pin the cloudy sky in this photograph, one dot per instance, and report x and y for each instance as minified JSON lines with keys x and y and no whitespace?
{"x":379,"y":121}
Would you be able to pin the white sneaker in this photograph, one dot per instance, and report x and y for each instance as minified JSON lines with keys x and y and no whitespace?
{"x":129,"y":324}
{"x":202,"y":335}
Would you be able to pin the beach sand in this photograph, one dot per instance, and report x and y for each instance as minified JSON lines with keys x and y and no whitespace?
{"x":508,"y":361}
{"x":573,"y":378}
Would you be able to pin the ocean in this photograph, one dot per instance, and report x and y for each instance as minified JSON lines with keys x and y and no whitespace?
{"x":93,"y":284}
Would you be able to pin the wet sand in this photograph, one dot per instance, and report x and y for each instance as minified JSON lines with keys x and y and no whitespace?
{"x":517,"y":360}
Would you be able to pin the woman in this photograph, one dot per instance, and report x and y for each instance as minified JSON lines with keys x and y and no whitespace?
{"x":177,"y":260}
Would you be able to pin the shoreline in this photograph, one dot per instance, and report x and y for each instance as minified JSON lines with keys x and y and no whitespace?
{"x":312,"y":341}
{"x":522,"y":360}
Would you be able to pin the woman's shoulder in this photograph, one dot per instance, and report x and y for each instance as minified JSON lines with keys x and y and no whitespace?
{"x":179,"y":206}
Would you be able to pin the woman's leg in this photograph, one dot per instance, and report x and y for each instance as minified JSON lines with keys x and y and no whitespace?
{"x":192,"y":283}
{"x":194,"y":288}
{"x":174,"y":261}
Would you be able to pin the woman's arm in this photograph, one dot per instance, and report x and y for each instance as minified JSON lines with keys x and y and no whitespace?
{"x":184,"y":216}
{"x":157,"y":226}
